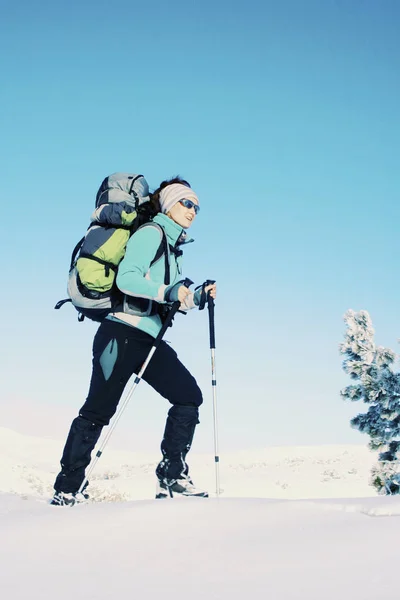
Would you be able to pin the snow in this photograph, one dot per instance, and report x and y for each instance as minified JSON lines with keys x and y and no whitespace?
{"x":292,"y":523}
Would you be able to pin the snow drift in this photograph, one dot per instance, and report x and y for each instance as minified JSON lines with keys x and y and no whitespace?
{"x":220,"y":548}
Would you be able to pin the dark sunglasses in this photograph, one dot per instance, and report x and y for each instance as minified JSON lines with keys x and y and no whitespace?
{"x":189,"y":204}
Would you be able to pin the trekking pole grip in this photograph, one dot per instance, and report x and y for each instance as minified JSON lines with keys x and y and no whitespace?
{"x":211,"y":306}
{"x":175,"y":307}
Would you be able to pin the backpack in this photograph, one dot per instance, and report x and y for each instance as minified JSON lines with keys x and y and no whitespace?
{"x":122,"y":206}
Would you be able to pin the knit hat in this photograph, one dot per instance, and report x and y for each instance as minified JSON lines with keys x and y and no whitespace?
{"x":174,"y":192}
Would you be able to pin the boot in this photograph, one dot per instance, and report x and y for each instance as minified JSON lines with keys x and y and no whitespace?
{"x":173,"y":472}
{"x":81,"y":440}
{"x":64,"y":499}
{"x":184,"y":486}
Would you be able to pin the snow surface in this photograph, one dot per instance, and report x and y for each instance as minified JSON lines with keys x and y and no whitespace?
{"x":292,"y":523}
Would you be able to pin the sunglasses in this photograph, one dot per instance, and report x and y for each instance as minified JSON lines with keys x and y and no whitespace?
{"x":189,"y":204}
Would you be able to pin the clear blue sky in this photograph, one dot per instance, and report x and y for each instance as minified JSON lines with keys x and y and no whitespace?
{"x":284,"y":116}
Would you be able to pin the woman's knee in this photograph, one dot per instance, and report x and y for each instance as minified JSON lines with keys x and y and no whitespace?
{"x":190,"y":396}
{"x":197,"y":396}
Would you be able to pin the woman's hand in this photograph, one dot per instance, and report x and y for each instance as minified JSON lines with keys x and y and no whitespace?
{"x":183,"y":293}
{"x":177,"y":293}
{"x":212,"y":289}
{"x":201,"y":294}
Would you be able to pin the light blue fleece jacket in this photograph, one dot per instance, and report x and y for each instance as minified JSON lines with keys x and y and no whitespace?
{"x":137,"y":278}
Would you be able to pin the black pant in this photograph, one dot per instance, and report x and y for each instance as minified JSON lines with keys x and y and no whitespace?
{"x":119,"y":351}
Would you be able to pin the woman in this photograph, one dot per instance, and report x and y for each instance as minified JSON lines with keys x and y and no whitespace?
{"x":148,"y":282}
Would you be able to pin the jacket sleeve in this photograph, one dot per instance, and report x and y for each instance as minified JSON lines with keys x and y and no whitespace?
{"x":133,"y":276}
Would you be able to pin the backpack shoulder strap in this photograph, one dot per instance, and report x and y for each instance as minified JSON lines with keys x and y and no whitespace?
{"x":161,"y":250}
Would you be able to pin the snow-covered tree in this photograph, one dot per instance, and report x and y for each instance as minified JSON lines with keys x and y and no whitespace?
{"x":378,"y":386}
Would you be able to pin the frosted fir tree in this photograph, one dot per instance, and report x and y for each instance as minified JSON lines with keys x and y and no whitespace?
{"x":379,"y":387}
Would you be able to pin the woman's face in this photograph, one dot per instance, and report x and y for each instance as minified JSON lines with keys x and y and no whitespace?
{"x":182,"y":215}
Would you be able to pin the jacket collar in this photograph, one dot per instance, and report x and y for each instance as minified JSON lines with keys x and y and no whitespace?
{"x":176,"y":235}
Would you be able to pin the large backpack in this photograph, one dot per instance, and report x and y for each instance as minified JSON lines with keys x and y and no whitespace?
{"x":122,"y":206}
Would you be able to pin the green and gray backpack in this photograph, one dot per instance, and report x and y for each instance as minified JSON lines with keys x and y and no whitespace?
{"x":122,"y":206}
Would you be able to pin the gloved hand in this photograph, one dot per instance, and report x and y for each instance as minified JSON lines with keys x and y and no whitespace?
{"x":176,"y":292}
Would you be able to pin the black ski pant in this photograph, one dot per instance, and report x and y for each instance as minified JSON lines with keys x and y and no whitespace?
{"x":120,"y":350}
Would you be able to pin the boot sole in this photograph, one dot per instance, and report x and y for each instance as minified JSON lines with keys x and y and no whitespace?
{"x":165,"y":495}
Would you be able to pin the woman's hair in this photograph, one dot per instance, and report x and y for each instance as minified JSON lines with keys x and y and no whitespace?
{"x":155,"y":196}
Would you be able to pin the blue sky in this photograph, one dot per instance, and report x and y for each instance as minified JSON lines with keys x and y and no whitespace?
{"x":284,"y":117}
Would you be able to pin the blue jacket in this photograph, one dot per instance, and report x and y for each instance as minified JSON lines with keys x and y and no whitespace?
{"x":139,"y":279}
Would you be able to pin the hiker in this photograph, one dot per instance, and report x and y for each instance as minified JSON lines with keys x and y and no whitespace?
{"x":124,"y":340}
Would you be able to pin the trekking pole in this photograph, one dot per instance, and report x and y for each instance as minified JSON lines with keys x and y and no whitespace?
{"x":211,"y":306}
{"x":174,"y":309}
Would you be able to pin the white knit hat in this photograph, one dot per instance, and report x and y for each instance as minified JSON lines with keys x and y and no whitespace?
{"x":174,"y":192}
